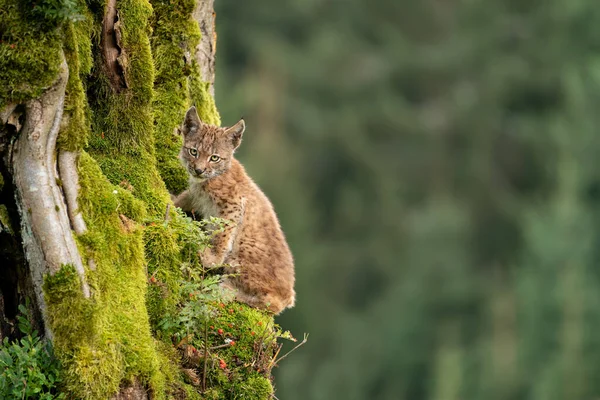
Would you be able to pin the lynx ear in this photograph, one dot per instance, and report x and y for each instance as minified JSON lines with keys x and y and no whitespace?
{"x":235,"y":133}
{"x":192,"y":121}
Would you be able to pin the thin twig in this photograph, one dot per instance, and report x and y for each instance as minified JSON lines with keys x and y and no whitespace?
{"x":167,"y":216}
{"x":295,"y":347}
{"x":221,"y":346}
{"x":261,"y":342}
{"x":205,"y":355}
{"x":270,"y":366}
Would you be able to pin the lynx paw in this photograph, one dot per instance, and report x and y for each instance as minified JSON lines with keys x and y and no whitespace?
{"x":208,"y":259}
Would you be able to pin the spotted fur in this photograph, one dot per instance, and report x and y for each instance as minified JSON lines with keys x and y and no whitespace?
{"x":254,"y":245}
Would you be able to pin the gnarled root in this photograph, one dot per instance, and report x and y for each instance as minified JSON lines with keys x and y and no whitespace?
{"x":46,"y":229}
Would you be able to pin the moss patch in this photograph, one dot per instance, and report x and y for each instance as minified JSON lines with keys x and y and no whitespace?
{"x":30,"y":52}
{"x":5,"y":224}
{"x":241,"y":370}
{"x":201,"y":98}
{"x":245,"y":371}
{"x":78,"y":48}
{"x":122,"y":141}
{"x":139,"y":175}
{"x":163,"y":252}
{"x":105,"y":340}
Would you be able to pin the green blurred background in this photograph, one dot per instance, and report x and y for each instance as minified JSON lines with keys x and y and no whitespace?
{"x":435,"y":166}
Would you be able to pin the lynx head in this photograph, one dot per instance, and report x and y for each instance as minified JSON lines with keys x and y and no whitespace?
{"x":207,"y":150}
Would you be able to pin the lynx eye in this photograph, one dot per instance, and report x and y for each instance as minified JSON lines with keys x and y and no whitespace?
{"x":193,"y":152}
{"x":215,"y":158}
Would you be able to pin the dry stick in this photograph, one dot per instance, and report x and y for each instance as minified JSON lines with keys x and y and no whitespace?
{"x":167,"y":216}
{"x":205,"y":355}
{"x":270,"y":366}
{"x":295,"y":347}
{"x":221,"y":346}
{"x":263,"y":336}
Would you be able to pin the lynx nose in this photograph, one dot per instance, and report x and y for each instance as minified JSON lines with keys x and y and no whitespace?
{"x":198,"y":171}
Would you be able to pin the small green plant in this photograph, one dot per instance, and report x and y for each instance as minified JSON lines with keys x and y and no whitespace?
{"x":28,"y":369}
{"x":200,"y":293}
{"x":56,"y":11}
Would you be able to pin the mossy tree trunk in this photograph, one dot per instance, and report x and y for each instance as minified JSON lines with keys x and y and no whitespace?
{"x":91,"y":94}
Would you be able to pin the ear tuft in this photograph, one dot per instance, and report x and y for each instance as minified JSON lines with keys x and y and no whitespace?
{"x":235,"y":132}
{"x":192,"y":121}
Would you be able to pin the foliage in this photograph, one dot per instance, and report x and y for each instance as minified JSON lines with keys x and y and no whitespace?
{"x":199,"y":294}
{"x":240,"y":342}
{"x":230,"y":348}
{"x":28,"y":368}
{"x":55,"y":11}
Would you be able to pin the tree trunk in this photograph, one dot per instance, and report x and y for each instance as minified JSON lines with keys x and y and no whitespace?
{"x":88,"y":156}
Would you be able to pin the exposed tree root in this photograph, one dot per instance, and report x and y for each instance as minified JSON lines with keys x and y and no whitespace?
{"x":45,"y":225}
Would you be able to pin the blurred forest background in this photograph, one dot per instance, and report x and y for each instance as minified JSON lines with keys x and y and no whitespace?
{"x":435,"y":165}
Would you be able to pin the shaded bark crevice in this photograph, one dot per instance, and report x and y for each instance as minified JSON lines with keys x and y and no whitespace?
{"x":113,"y":56}
{"x":67,"y":166}
{"x":16,"y":285}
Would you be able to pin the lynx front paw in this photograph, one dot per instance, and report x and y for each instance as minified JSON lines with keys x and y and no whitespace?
{"x":208,"y":258}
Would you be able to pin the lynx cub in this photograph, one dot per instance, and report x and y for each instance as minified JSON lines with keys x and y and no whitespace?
{"x":253,"y":245}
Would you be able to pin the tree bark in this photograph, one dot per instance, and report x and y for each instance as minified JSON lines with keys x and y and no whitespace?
{"x":204,"y":15}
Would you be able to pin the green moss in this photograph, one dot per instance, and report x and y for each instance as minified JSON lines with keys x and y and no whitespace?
{"x":247,"y":371}
{"x":5,"y":225}
{"x":122,"y":141}
{"x":105,"y":340}
{"x":170,"y":109}
{"x":177,"y":84}
{"x":245,"y":325}
{"x":163,"y":254}
{"x":255,"y":387}
{"x":139,"y":174}
{"x":171,"y":250}
{"x":202,"y":99}
{"x":176,"y":388}
{"x":73,"y":322}
{"x":30,"y":57}
{"x":129,"y":206}
{"x":77,"y":47}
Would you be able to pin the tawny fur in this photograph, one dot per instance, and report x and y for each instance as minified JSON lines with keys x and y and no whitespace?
{"x":253,"y":245}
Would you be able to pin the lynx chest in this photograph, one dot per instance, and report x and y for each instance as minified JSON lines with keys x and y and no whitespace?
{"x":204,"y":205}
